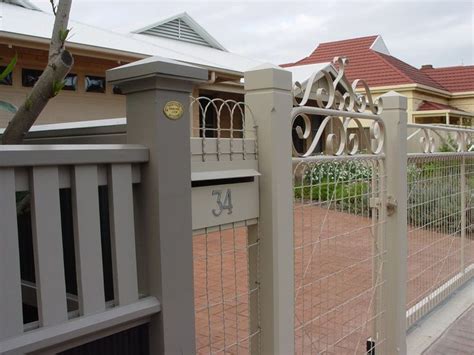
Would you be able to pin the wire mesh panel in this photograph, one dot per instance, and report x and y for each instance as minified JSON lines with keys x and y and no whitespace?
{"x":224,"y":290}
{"x":441,"y":228}
{"x":338,"y":256}
{"x":440,"y":215}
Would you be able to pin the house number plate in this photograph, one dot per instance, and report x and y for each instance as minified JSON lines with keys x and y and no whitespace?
{"x":223,"y":202}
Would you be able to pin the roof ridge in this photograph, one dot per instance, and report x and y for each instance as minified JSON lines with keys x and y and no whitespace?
{"x":381,"y":55}
{"x":449,"y":67}
{"x":349,"y":39}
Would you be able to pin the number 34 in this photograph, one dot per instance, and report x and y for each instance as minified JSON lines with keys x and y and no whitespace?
{"x":222,"y":205}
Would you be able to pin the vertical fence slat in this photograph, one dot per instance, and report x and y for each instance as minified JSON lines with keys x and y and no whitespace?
{"x":47,"y":241}
{"x":87,"y":239}
{"x":122,"y":234}
{"x":10,"y":295}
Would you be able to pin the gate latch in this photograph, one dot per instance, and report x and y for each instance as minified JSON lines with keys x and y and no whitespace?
{"x":376,"y":202}
{"x":392,"y":205}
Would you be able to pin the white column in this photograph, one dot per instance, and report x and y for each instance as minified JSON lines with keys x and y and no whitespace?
{"x":395,"y":273}
{"x":268,"y":95}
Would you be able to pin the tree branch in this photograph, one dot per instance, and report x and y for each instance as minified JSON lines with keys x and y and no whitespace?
{"x":60,"y":30}
{"x":53,"y":6}
{"x":45,"y":88}
{"x":49,"y":83}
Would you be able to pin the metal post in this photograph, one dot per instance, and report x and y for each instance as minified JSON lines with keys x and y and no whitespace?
{"x":395,"y":271}
{"x":463,"y":211}
{"x":158,"y":92}
{"x":268,"y":96}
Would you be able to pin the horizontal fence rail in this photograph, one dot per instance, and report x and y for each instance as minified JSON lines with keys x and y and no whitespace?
{"x":68,"y":239}
{"x":440,"y":215}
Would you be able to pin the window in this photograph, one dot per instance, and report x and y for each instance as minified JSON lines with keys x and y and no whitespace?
{"x":210,"y":128}
{"x":70,"y":82}
{"x":29,"y":77}
{"x":8,"y":80}
{"x":95,"y":83}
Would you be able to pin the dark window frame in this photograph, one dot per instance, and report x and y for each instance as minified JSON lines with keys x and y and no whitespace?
{"x":101,"y":89}
{"x":72,"y":87}
{"x":30,"y":83}
{"x":8,"y":80}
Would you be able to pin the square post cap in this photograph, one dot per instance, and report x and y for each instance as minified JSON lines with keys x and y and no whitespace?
{"x":156,"y":67}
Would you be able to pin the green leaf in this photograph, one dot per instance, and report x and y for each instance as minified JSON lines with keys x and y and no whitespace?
{"x":63,"y":35}
{"x":9,"y":67}
{"x":6,"y":106}
{"x":58,"y":86}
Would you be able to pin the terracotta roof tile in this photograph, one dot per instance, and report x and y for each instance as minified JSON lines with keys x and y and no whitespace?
{"x":375,"y":68}
{"x":455,"y":79}
{"x":431,"y":106}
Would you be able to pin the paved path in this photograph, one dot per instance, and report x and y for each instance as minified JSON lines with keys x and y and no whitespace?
{"x":458,"y":339}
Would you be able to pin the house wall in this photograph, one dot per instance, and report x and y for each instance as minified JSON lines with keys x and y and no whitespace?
{"x":68,"y":106}
{"x":463,"y":103}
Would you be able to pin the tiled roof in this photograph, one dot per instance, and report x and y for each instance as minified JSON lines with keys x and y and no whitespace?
{"x":377,"y":69}
{"x":455,"y":79}
{"x":431,"y":106}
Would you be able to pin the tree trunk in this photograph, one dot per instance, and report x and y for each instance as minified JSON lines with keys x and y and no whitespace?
{"x":60,"y":29}
{"x":45,"y":88}
{"x":49,"y":83}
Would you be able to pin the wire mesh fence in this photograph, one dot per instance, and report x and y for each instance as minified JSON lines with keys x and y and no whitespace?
{"x":225,"y":255}
{"x":225,"y":291}
{"x":338,"y":252}
{"x":441,"y":228}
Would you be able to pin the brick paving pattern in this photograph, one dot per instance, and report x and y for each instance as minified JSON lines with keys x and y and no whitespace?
{"x":334,"y":310}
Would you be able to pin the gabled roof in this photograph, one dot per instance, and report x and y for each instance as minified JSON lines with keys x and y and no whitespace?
{"x":455,"y":79}
{"x":368,"y":60}
{"x":181,"y":27}
{"x":20,"y":22}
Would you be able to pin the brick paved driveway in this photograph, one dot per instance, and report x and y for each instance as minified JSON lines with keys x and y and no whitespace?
{"x":335,"y":300}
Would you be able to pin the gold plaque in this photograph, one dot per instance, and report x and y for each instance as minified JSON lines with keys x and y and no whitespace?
{"x":173,"y":110}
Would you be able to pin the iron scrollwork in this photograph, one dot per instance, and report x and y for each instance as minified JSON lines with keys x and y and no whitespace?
{"x":339,"y":141}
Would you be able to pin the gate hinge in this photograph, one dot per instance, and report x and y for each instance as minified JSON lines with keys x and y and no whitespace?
{"x":375,"y":202}
{"x":392,"y":205}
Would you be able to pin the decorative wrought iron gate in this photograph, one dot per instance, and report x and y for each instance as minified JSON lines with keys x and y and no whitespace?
{"x":339,"y":217}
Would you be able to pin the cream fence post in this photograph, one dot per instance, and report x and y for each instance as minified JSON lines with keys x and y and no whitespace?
{"x":268,"y":96}
{"x":395,"y":271}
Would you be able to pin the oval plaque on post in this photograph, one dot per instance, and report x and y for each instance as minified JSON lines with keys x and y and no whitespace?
{"x":173,"y":110}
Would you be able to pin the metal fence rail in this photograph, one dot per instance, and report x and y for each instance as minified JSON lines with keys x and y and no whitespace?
{"x":440,"y":216}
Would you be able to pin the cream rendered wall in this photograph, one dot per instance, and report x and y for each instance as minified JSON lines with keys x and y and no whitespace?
{"x":464,"y":103}
{"x":68,"y":106}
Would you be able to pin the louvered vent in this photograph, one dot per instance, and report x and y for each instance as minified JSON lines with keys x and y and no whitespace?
{"x":177,"y":29}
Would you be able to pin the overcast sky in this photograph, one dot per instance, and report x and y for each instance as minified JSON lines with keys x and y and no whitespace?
{"x":419,"y":32}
